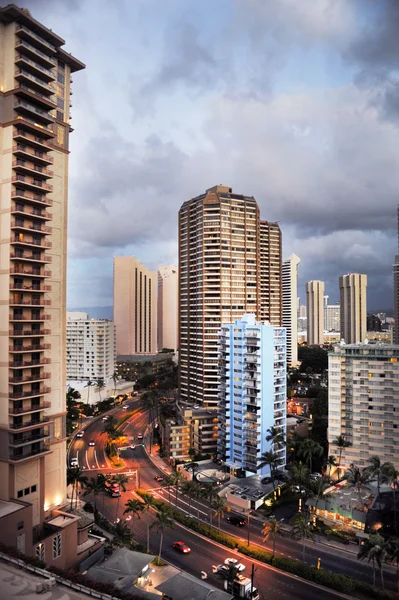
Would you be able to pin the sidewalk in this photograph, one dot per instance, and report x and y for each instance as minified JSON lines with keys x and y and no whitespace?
{"x":154,"y":457}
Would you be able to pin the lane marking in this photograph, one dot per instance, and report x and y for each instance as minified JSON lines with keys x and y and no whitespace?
{"x":95,"y":456}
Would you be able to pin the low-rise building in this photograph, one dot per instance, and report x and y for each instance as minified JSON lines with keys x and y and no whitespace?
{"x":133,"y":367}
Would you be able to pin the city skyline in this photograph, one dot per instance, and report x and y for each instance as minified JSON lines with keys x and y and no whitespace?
{"x":177,"y":106}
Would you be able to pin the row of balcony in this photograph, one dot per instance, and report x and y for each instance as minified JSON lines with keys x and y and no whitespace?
{"x":18,"y":424}
{"x":20,"y":454}
{"x":33,"y":126}
{"x":20,"y":194}
{"x":29,"y":378}
{"x":27,"y":34}
{"x":29,"y":332}
{"x":17,"y":349}
{"x":33,"y":140}
{"x":39,"y":391}
{"x":22,"y":75}
{"x":30,"y":226}
{"x":19,"y":440}
{"x":37,"y":54}
{"x":36,"y":362}
{"x":32,"y":66}
{"x":30,"y":272}
{"x":29,"y":407}
{"x":19,"y":286}
{"x":38,"y":156}
{"x":27,"y":108}
{"x":31,"y":183}
{"x":38,"y":213}
{"x":31,"y":168}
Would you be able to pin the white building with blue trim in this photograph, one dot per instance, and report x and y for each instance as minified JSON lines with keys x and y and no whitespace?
{"x":252,"y":392}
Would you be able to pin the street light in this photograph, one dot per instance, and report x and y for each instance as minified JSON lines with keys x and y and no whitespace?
{"x":249,"y":512}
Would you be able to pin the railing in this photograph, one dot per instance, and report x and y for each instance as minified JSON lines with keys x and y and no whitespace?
{"x":36,"y":212}
{"x":40,"y":244}
{"x":19,"y":270}
{"x":28,"y":439}
{"x":35,"y":65}
{"x":16,"y":457}
{"x":36,"y":125}
{"x":41,"y":184}
{"x":38,"y":111}
{"x":31,"y":77}
{"x":39,"y":228}
{"x":31,"y":348}
{"x":36,"y":37}
{"x":30,"y":423}
{"x":31,"y":332}
{"x":35,"y":197}
{"x":36,"y":50}
{"x":30,"y":408}
{"x":29,"y":363}
{"x":23,"y":86}
{"x":39,"y":169}
{"x":27,"y":378}
{"x":28,"y":394}
{"x":23,"y":148}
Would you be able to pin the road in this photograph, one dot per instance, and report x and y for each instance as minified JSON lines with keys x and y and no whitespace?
{"x":336,"y":560}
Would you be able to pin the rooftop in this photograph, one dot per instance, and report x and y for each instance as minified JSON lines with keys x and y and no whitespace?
{"x":6,"y":508}
{"x":121,"y":568}
{"x":183,"y":586}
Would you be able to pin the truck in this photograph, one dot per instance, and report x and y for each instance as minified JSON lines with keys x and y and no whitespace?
{"x":241,"y":588}
{"x":112,"y":489}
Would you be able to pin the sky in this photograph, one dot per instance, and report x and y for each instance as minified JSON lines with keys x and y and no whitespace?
{"x":295,"y":102}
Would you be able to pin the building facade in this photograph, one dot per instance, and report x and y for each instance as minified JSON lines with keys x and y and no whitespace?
{"x":219,"y":273}
{"x":363,"y":400}
{"x":332,"y":317}
{"x":395,"y":269}
{"x":290,"y":307}
{"x":315,"y":312}
{"x":353,"y":295}
{"x":252,"y":391}
{"x":35,"y":72}
{"x":168,"y":295}
{"x":271,"y":298}
{"x":135,"y":306}
{"x":91,"y":347}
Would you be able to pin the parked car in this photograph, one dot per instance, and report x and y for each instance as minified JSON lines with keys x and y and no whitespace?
{"x":74,"y":463}
{"x":181,"y":547}
{"x":158,"y":478}
{"x":125,"y":407}
{"x":92,"y":443}
{"x":80,"y":434}
{"x":237,"y":521}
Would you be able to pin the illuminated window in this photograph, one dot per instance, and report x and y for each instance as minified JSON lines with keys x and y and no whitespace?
{"x":60,"y":135}
{"x":39,"y":552}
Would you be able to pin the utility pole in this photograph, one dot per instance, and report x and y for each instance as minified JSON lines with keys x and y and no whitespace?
{"x":252,"y":579}
{"x":249,"y":512}
{"x":148,"y":538}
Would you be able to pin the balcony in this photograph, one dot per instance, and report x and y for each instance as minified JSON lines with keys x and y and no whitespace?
{"x":30,"y":424}
{"x":33,"y":140}
{"x":18,"y":287}
{"x":23,"y":270}
{"x":31,"y":66}
{"x":25,"y":152}
{"x":20,"y":364}
{"x":30,"y":93}
{"x":21,"y":106}
{"x":29,"y":408}
{"x":34,"y":257}
{"x":41,"y":199}
{"x":23,"y":241}
{"x":29,"y":332}
{"x":27,"y":439}
{"x":18,"y":457}
{"x":26,"y":34}
{"x":29,"y":378}
{"x":30,"y":348}
{"x":18,"y":317}
{"x":21,"y":224}
{"x":21,"y":209}
{"x":25,"y":77}
{"x":30,"y":393}
{"x":44,"y":59}
{"x":30,"y":183}
{"x":30,"y":168}
{"x":34,"y":127}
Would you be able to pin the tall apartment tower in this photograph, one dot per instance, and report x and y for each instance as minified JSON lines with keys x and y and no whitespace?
{"x":353,"y":301}
{"x":271,"y":301}
{"x":168,"y":296}
{"x":363,"y":399}
{"x":35,"y":75}
{"x":252,"y":359}
{"x":396,"y":291}
{"x":332,"y":317}
{"x":91,"y":348}
{"x":290,"y":307}
{"x":219,"y":281}
{"x":135,"y":307}
{"x":315,"y":312}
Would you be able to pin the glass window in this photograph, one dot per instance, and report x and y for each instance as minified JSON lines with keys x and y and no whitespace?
{"x":60,"y":103}
{"x":60,"y":115}
{"x":57,"y":546}
{"x":61,"y":78}
{"x":60,"y":91}
{"x":60,"y":135}
{"x":39,"y":552}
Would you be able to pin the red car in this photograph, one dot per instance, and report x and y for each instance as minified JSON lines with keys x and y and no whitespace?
{"x":181,"y":546}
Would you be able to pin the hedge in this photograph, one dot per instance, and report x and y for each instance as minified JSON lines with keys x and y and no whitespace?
{"x":335,"y":581}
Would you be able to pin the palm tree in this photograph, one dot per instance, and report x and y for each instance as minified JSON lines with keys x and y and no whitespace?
{"x":110,"y":425}
{"x":358,"y":478}
{"x":88,"y":385}
{"x":115,"y":379}
{"x":76,"y":478}
{"x":331,"y":462}
{"x":269,"y":459}
{"x":100,"y":386}
{"x":375,"y":550}
{"x":299,"y":474}
{"x":301,"y":529}
{"x":219,"y":507}
{"x":94,"y":486}
{"x":167,"y":483}
{"x":135,"y":507}
{"x":121,"y":480}
{"x":275,"y":435}
{"x":390,"y":475}
{"x":270,"y":529}
{"x":309,"y":449}
{"x":163,"y":521}
{"x":148,"y":502}
{"x":122,"y":533}
{"x":341,"y":443}
{"x":229,"y":574}
{"x":210,"y":493}
{"x":189,"y":489}
{"x":176,"y":480}
{"x":377,"y":469}
{"x":393,"y":557}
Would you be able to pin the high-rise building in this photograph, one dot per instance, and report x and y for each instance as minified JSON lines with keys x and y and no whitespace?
{"x":135,"y":307}
{"x":302,"y":311}
{"x":290,"y":307}
{"x":91,"y":347}
{"x":168,"y":295}
{"x":315,"y":312}
{"x":396,"y":291}
{"x":270,"y":247}
{"x":252,"y":395}
{"x":35,"y":75}
{"x":219,"y":273}
{"x":332,"y":317}
{"x":353,"y":295}
{"x":363,"y":399}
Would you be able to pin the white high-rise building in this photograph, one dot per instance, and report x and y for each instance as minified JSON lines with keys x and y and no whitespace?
{"x":332,"y":317}
{"x":91,"y":347}
{"x":363,"y":401}
{"x":290,"y":306}
{"x":168,"y":295}
{"x":315,"y":312}
{"x":353,"y":295}
{"x":252,"y":391}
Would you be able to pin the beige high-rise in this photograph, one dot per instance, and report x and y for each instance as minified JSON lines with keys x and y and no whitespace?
{"x":35,"y":76}
{"x":135,"y":307}
{"x":315,"y":312}
{"x":290,"y":307}
{"x":271,"y":299}
{"x":219,"y":281}
{"x":168,"y":294}
{"x":353,"y":303}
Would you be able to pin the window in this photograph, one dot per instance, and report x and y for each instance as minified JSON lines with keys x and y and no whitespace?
{"x":60,"y":135}
{"x":60,"y":78}
{"x":20,"y":494}
{"x":39,"y":552}
{"x":60,"y":91}
{"x":33,"y":489}
{"x":60,"y":103}
{"x":60,"y":115}
{"x":57,"y":546}
{"x":26,"y":491}
{"x":20,"y":525}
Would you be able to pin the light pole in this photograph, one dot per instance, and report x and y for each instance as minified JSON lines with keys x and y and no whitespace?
{"x":249,"y":512}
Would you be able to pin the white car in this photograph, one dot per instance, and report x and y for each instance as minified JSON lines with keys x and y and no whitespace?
{"x":74,"y":462}
{"x":233,"y":562}
{"x":125,"y":407}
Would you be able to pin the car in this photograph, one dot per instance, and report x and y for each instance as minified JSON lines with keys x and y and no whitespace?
{"x":139,"y":436}
{"x":315,"y":475}
{"x":125,"y":407}
{"x":132,"y":446}
{"x":74,"y":462}
{"x":158,"y":478}
{"x":105,"y":418}
{"x":222,"y":570}
{"x":80,"y":434}
{"x":266,"y":480}
{"x":233,"y":562}
{"x":237,"y":521}
{"x":181,"y":547}
{"x":92,"y":443}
